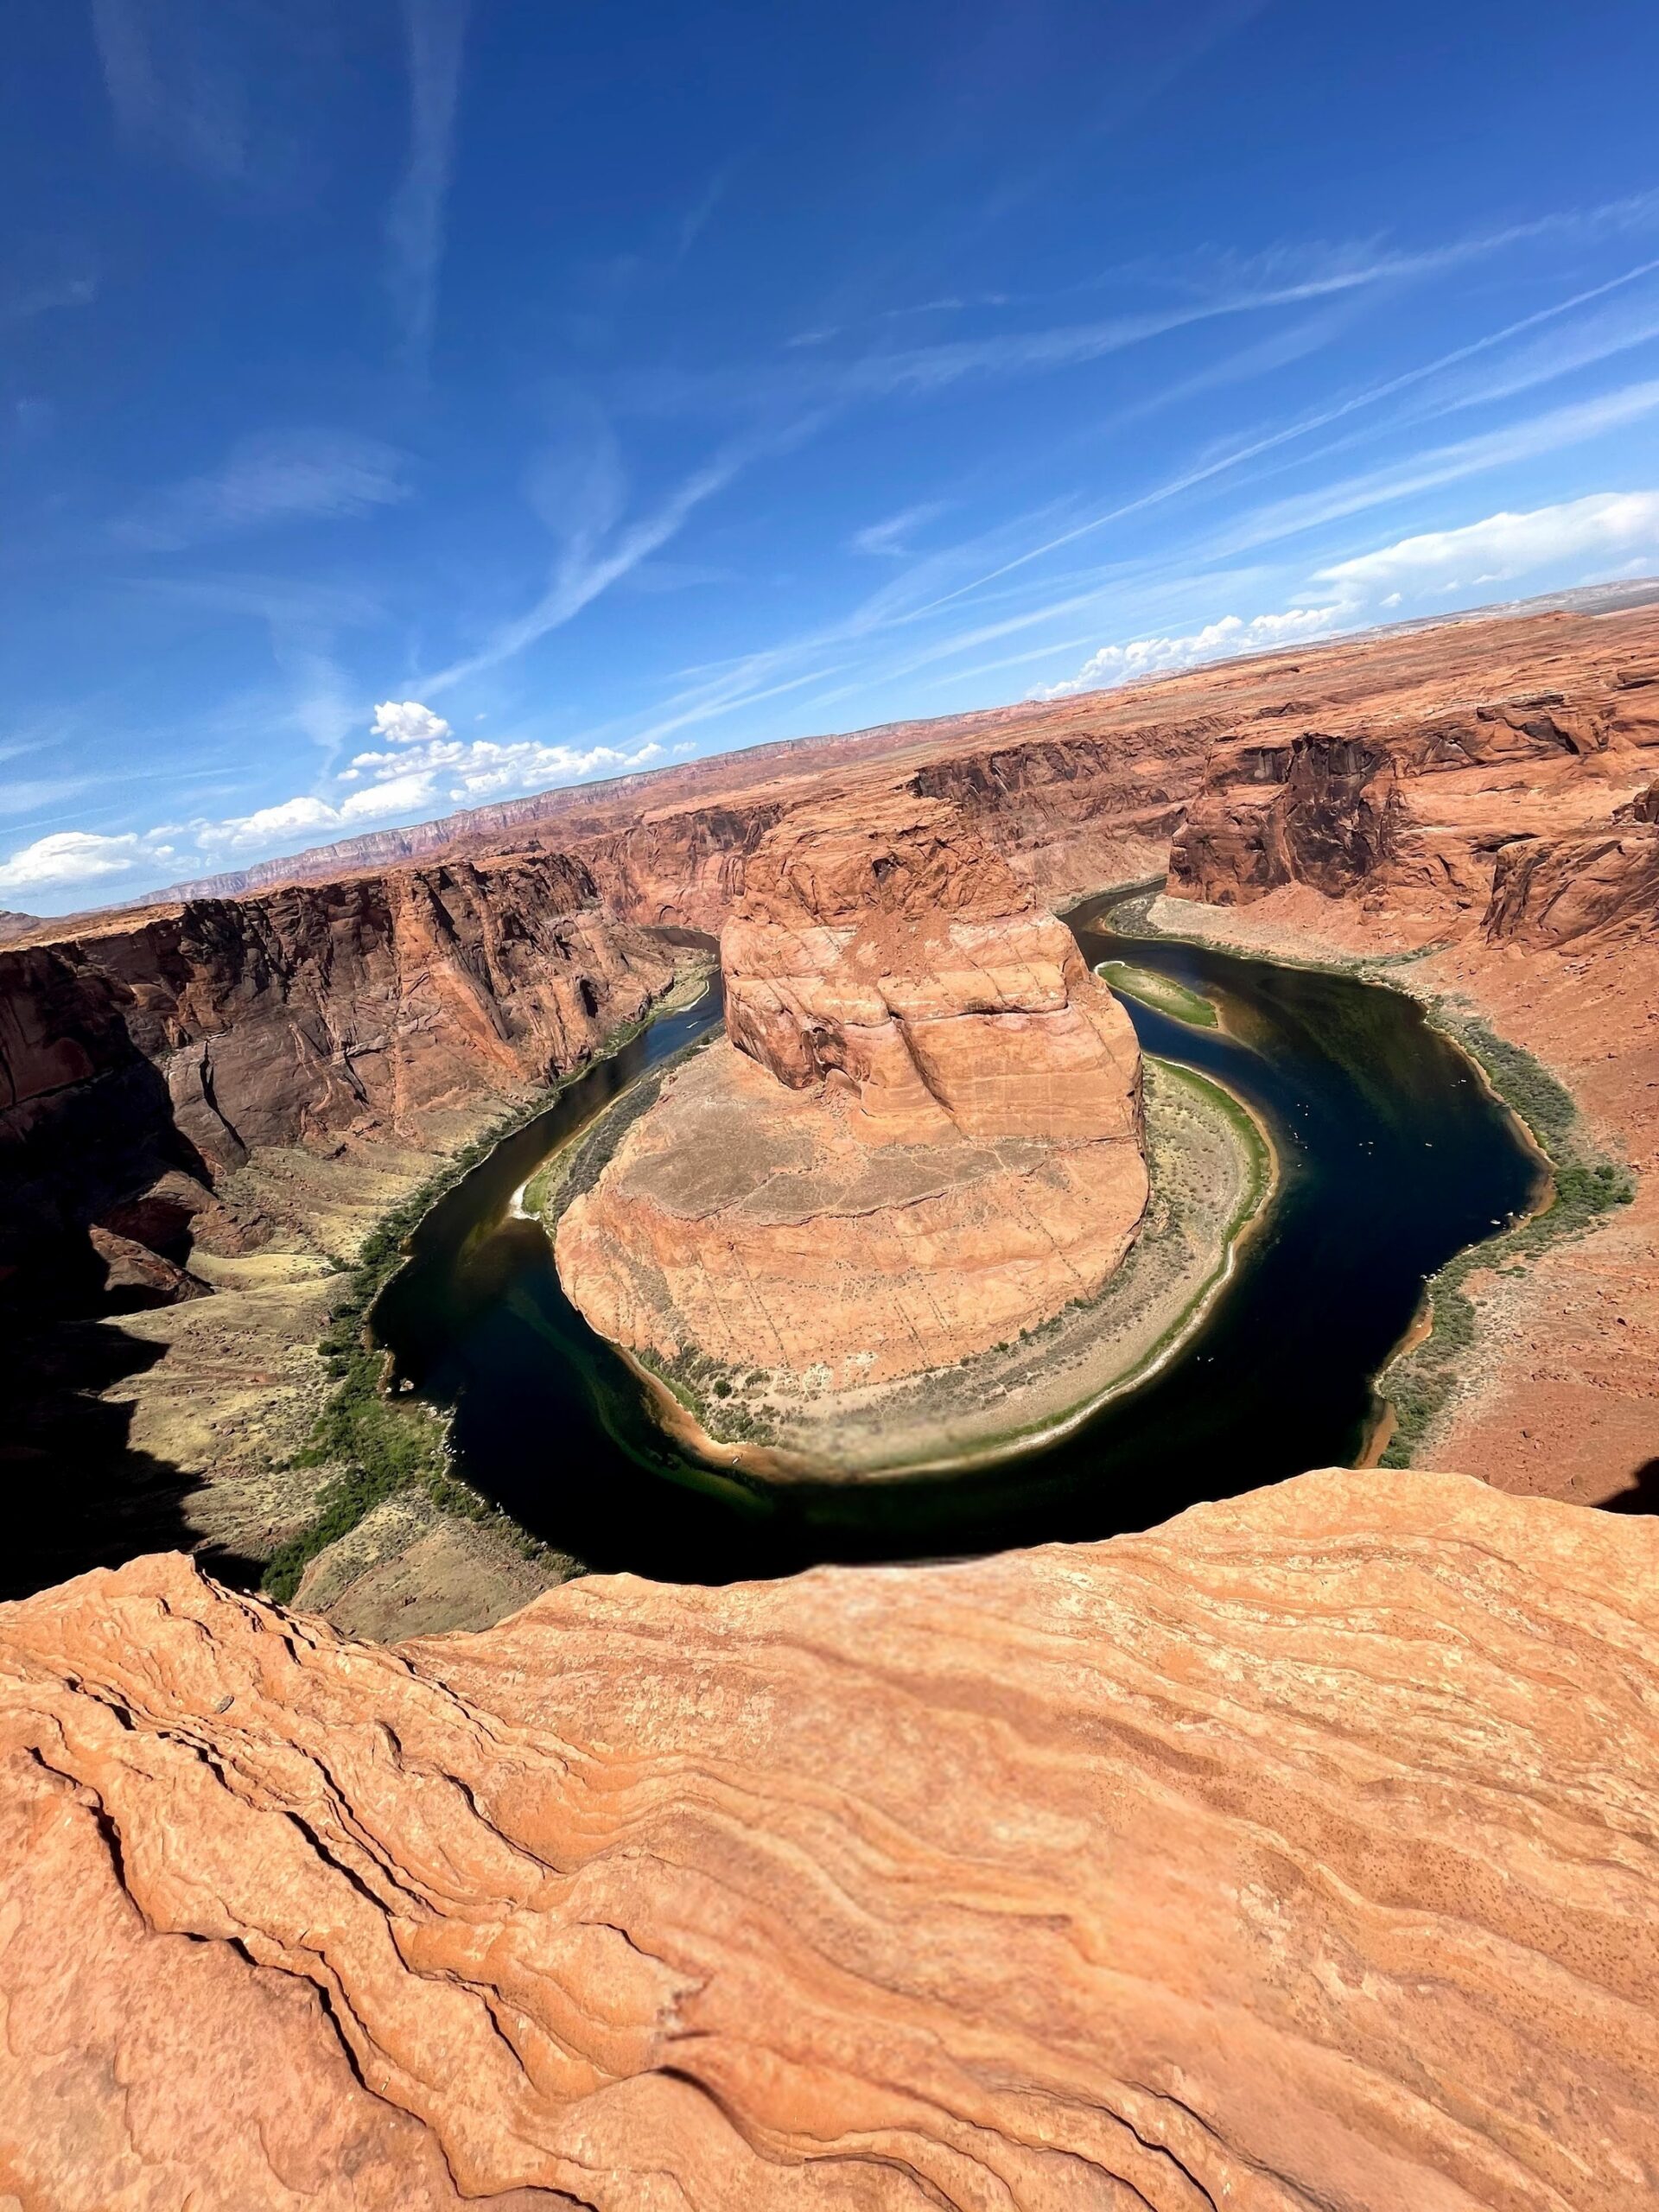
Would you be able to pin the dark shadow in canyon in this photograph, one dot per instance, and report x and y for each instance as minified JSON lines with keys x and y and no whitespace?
{"x":1642,"y":1493}
{"x":78,"y":1493}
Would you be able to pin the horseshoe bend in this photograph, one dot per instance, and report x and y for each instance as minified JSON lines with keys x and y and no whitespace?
{"x":378,"y":1833}
{"x":921,"y":1140}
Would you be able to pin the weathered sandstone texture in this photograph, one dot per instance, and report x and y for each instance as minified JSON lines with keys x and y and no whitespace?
{"x":1490,"y":830}
{"x":1548,"y":892}
{"x":1417,"y":813}
{"x":923,"y":1136}
{"x":1300,"y":1852}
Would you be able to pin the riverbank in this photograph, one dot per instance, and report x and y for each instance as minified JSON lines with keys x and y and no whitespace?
{"x":1536,"y":1364}
{"x":266,"y":1401}
{"x":1161,"y":992}
{"x":1212,"y":1170}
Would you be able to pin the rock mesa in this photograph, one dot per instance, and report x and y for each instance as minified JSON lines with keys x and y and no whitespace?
{"x":922,"y":1135}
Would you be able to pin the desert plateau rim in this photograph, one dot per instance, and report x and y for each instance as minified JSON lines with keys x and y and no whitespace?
{"x":525,"y":1888}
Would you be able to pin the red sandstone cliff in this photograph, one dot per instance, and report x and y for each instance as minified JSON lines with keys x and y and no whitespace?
{"x":1549,"y":892}
{"x":173,"y":1045}
{"x":1414,"y":812}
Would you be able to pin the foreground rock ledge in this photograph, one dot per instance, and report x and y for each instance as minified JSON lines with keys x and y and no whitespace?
{"x":1302,"y":1852}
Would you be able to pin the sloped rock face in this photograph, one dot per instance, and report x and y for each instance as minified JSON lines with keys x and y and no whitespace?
{"x":1418,"y":813}
{"x":883,"y":949}
{"x":1300,"y":1852}
{"x":923,"y":1137}
{"x":1552,"y":892}
{"x":165,"y":1050}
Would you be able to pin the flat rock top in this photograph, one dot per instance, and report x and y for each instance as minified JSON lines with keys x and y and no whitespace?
{"x":725,"y":1138}
{"x":1304,"y":1851}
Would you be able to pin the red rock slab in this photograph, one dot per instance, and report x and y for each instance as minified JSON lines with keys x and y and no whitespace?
{"x":1302,"y":1853}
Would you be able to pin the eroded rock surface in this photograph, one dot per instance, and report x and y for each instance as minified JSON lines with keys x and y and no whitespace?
{"x":1551,"y":892}
{"x":1421,"y":814}
{"x":143,"y":1060}
{"x":923,"y":1136}
{"x":1300,"y":1852}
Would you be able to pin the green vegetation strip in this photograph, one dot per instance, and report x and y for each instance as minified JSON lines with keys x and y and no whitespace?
{"x":1585,"y":1184}
{"x":384,"y":1446}
{"x":1161,"y":992}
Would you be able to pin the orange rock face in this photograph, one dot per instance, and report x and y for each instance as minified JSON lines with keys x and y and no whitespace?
{"x":923,"y":1137}
{"x":1417,"y":812}
{"x":1300,"y":1852}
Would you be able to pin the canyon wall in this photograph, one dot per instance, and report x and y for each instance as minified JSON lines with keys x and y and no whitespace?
{"x":1417,"y":814}
{"x":1548,"y":893}
{"x":141,"y":1062}
{"x":923,"y":1137}
{"x":1299,"y":1853}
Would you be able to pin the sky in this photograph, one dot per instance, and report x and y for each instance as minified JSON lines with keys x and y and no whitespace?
{"x":406,"y":404}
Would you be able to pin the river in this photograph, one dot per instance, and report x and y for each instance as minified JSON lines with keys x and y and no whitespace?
{"x":1393,"y":1157}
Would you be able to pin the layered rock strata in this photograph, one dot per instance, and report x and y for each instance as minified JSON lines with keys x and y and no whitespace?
{"x":226,"y":1097}
{"x":1300,"y":1852}
{"x":1417,"y":815}
{"x":922,"y":1135}
{"x":142,"y":1062}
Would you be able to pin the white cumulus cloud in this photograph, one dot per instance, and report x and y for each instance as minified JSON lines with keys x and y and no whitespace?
{"x":68,"y":856}
{"x":1604,"y":528}
{"x":406,"y":721}
{"x":1217,"y":640}
{"x":268,"y":823}
{"x":430,"y":770}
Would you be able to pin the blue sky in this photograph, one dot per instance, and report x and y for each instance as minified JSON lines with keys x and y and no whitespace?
{"x":405,"y":406}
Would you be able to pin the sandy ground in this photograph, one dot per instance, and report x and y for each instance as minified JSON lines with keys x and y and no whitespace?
{"x":1560,"y":1397}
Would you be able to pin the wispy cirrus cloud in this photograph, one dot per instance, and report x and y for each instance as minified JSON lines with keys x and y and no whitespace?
{"x":601,"y":546}
{"x":274,"y":476}
{"x":890,"y":538}
{"x":1552,"y":431}
{"x":434,"y":36}
{"x":1241,"y":454}
{"x":223,"y":87}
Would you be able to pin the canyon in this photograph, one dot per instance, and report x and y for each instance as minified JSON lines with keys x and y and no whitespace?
{"x":1302,"y":1851}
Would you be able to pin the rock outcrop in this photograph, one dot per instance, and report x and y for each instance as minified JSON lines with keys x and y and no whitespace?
{"x":1300,"y":1852}
{"x":1418,"y":813}
{"x":140,"y":1061}
{"x":1551,"y":892}
{"x":922,"y":1136}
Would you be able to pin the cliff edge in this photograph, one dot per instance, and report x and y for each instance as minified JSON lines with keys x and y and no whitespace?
{"x":1301,"y":1851}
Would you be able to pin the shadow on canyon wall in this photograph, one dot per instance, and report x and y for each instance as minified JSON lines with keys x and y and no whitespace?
{"x":77,"y":1493}
{"x":1642,"y":1496}
{"x":74,"y":1492}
